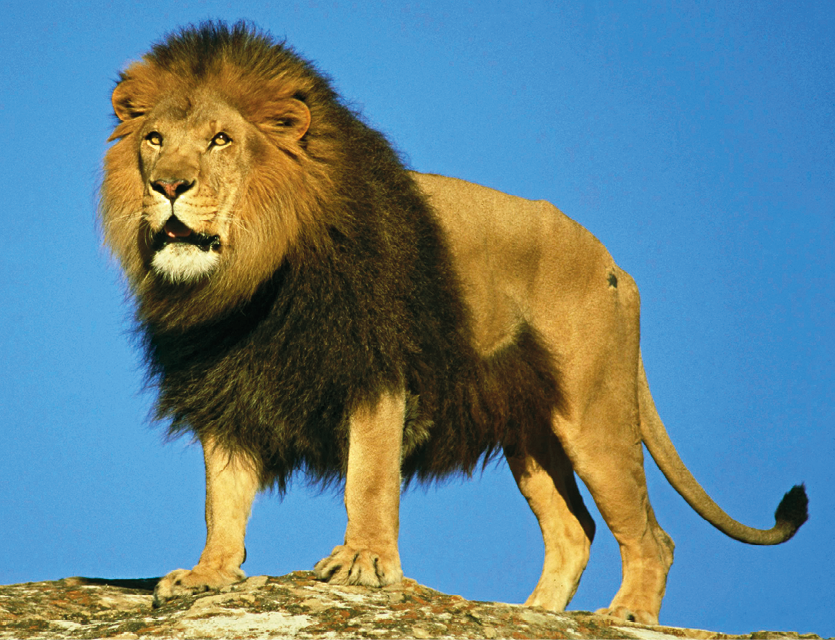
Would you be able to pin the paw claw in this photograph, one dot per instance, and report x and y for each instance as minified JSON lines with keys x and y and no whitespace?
{"x":183,"y":582}
{"x":628,"y":615}
{"x":348,"y":566}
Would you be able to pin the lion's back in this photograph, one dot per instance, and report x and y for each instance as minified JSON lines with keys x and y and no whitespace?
{"x":519,"y":261}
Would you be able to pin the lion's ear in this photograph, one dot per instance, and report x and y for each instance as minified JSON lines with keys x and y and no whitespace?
{"x":290,"y":117}
{"x":126,"y":104}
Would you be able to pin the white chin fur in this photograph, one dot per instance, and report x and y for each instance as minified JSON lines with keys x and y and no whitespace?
{"x":180,"y":262}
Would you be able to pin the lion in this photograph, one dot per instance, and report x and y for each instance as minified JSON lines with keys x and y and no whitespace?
{"x":307,"y":304}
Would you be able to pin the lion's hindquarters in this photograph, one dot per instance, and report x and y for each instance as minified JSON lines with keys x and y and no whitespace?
{"x":524,"y":264}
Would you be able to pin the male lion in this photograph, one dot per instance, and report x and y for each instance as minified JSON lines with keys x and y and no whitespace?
{"x":307,"y":303}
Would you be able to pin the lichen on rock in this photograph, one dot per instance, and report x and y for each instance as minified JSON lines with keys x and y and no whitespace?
{"x":295,"y":606}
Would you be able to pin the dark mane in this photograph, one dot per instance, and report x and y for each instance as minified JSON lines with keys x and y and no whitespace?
{"x":199,"y":53}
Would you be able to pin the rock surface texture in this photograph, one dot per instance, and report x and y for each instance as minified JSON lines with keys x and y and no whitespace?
{"x":295,"y":606}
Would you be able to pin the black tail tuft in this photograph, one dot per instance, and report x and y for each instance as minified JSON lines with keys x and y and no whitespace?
{"x":793,"y":508}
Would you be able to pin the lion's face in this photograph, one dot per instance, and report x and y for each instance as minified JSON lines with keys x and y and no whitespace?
{"x":206,"y":188}
{"x":193,"y":163}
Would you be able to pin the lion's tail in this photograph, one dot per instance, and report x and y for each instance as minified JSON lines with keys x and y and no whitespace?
{"x":790,"y":514}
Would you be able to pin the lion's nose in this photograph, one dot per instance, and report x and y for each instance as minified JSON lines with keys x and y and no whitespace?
{"x":171,"y":189}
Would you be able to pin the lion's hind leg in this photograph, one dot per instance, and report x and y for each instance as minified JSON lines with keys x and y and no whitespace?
{"x":608,"y":458}
{"x":546,"y":479}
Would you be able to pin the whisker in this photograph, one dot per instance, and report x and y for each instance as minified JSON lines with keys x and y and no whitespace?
{"x":127,"y":216}
{"x":234,"y":221}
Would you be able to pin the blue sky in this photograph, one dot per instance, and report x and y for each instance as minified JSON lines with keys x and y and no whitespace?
{"x":694,"y":139}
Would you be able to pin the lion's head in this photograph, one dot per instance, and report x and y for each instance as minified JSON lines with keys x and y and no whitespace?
{"x":222,"y":161}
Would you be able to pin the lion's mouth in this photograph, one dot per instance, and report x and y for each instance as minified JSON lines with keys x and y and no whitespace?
{"x":175,"y":231}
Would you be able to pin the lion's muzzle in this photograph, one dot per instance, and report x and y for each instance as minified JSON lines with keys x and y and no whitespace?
{"x":175,"y":231}
{"x":182,"y":254}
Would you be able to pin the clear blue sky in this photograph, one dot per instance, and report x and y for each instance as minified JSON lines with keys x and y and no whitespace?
{"x":694,"y":139}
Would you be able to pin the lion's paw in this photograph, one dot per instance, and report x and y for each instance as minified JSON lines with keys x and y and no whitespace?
{"x":347,"y":565}
{"x":629,"y":615}
{"x":184,"y":582}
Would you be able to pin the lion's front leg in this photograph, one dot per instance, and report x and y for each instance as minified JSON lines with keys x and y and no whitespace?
{"x":372,"y":499}
{"x":232,"y":480}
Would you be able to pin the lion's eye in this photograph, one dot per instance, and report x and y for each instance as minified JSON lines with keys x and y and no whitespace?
{"x":154,"y":139}
{"x":221,"y":140}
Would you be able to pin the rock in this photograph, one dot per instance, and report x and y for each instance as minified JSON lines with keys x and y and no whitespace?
{"x":295,"y":606}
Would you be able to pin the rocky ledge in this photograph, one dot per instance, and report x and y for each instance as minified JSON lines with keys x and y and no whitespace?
{"x":295,"y":606}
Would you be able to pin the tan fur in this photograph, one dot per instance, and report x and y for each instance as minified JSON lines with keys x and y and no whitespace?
{"x":372,"y":499}
{"x":231,"y":483}
{"x":525,"y":261}
{"x":522,"y":261}
{"x":522,"y":267}
{"x":546,"y":479}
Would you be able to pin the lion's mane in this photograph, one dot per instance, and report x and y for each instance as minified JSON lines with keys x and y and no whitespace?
{"x":337,"y":287}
